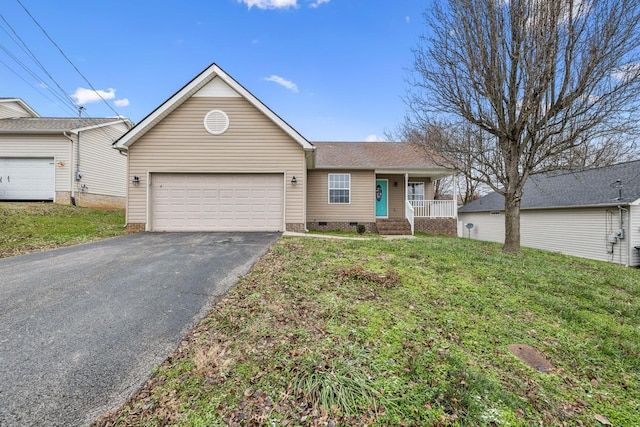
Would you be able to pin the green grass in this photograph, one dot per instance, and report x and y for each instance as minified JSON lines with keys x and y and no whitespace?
{"x":31,"y":227}
{"x":406,"y":332}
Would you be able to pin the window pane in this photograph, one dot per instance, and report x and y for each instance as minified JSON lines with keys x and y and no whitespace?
{"x":339,"y":185}
{"x":415,"y":193}
{"x":339,"y":196}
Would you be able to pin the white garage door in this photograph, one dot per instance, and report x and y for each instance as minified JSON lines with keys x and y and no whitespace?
{"x":27,"y":179}
{"x":217,"y":202}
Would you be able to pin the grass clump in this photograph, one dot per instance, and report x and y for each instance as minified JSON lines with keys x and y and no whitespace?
{"x":33,"y":227}
{"x":406,"y":332}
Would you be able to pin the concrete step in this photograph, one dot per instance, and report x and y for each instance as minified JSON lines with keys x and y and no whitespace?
{"x":393,"y":227}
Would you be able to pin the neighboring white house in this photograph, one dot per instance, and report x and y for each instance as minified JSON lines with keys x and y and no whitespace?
{"x":594,"y":213}
{"x":63,"y":160}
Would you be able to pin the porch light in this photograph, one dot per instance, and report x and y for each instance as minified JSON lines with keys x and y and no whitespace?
{"x":294,"y":181}
{"x":136,"y":180}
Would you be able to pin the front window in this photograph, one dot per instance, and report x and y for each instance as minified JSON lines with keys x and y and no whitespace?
{"x":339,"y":188}
{"x":415,"y":193}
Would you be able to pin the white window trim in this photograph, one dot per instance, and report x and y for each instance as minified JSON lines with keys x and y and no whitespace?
{"x":329,"y":189}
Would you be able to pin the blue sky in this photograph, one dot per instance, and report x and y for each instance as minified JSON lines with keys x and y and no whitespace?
{"x":333,"y":69}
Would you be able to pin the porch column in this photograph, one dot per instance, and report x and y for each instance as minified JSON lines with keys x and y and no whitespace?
{"x":406,"y":185}
{"x":455,"y":195}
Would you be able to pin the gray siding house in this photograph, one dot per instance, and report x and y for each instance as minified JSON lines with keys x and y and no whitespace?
{"x":594,"y":213}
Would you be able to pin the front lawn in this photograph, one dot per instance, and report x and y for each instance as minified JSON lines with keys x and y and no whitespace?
{"x":406,"y":332}
{"x":31,"y":227}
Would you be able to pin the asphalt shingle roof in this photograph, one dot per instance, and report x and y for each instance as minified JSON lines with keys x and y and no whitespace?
{"x":45,"y":124}
{"x":591,"y":187}
{"x":371,"y":155}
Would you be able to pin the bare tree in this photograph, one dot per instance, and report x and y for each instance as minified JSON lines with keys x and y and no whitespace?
{"x":437,"y":140}
{"x":597,"y":153}
{"x":533,"y":80}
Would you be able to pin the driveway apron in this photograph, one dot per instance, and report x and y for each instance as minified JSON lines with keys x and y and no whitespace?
{"x":82,"y":328}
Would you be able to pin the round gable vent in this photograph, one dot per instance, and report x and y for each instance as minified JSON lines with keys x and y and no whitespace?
{"x":216,"y":122}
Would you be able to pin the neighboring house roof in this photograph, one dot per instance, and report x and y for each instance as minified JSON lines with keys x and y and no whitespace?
{"x":200,"y":81}
{"x":22,"y":105}
{"x":54,"y":125}
{"x":372,"y":155}
{"x":590,"y":187}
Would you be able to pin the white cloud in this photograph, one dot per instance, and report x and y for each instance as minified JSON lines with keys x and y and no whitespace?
{"x":86,"y":96}
{"x":318,"y":3}
{"x":627,"y":72}
{"x":374,"y":138}
{"x":270,"y":4}
{"x":124,"y":102}
{"x":283,"y":82}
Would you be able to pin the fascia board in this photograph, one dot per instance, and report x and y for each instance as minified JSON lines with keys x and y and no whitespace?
{"x":86,"y":128}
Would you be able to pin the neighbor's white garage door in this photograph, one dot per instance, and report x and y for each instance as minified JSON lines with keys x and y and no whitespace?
{"x":27,"y":178}
{"x":217,"y":202}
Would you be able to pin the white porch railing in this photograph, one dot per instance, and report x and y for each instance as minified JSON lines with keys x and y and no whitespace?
{"x":408,"y":213}
{"x":433,"y":208}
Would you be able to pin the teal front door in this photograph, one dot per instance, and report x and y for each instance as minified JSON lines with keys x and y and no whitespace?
{"x":381,"y":197}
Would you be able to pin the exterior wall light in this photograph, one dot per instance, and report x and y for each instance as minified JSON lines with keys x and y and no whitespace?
{"x":294,"y":181}
{"x":136,"y":180}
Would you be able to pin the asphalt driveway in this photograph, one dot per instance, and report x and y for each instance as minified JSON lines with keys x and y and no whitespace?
{"x":82,"y":328}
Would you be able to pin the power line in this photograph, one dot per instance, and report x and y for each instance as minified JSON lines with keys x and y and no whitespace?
{"x":67,"y":58}
{"x":29,"y":84}
{"x":28,"y":51}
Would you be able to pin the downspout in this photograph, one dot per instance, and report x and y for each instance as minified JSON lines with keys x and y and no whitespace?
{"x":73,"y":199}
{"x":627,"y":231}
{"x":78,"y":173}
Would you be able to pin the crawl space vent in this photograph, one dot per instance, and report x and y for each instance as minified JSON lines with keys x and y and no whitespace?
{"x":216,"y":122}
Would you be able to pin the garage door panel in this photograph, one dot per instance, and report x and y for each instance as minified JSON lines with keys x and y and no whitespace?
{"x":27,"y":179}
{"x":217,"y":202}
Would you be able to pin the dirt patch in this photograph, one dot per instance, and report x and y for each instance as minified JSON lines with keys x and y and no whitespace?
{"x":531,"y":356}
{"x":388,"y":280}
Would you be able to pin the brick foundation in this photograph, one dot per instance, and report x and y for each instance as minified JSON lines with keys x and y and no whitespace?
{"x":370,"y":227}
{"x":135,"y":227}
{"x":295,"y":227}
{"x":89,"y":200}
{"x":100,"y":201}
{"x":63,"y":197}
{"x":442,"y":226}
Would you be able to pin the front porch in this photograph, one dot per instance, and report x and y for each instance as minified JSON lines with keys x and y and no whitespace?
{"x":405,"y":204}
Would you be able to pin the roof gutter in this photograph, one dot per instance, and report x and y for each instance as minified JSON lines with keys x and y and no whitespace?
{"x":605,"y":205}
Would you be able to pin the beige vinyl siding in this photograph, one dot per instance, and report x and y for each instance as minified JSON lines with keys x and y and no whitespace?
{"x":44,"y":146}
{"x":362,"y":197}
{"x":579,"y":232}
{"x":252,"y":144}
{"x":103,"y":168}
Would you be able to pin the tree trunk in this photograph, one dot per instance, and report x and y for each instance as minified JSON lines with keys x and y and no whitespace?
{"x":511,"y":223}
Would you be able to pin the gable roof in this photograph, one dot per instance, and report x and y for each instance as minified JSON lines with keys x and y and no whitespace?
{"x":389,"y":156}
{"x":23,"y":105}
{"x":54,"y":124}
{"x":200,"y":81}
{"x":587,"y":188}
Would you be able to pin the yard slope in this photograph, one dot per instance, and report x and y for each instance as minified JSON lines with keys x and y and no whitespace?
{"x":406,"y":332}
